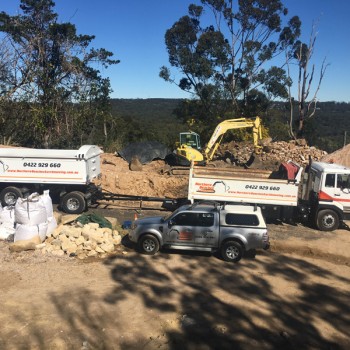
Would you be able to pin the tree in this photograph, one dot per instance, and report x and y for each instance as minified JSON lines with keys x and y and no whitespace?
{"x":227,"y":65}
{"x":303,"y":54}
{"x":55,"y":68}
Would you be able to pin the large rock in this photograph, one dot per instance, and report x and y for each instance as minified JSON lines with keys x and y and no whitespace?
{"x":135,"y":164}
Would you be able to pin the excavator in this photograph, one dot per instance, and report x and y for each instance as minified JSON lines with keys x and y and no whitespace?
{"x":189,"y":150}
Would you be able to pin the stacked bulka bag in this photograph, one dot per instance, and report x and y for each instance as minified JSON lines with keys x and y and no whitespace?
{"x":7,"y":222}
{"x":34,"y":218}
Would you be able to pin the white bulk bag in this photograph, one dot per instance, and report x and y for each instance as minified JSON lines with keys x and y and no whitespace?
{"x":52,"y":224}
{"x":28,"y":232}
{"x":7,"y":215}
{"x":48,"y":203}
{"x":30,"y":211}
{"x":6,"y":230}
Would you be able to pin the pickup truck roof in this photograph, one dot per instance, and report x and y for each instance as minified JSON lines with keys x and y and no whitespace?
{"x":228,"y":207}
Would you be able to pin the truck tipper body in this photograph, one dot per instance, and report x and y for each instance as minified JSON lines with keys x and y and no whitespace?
{"x":320,"y":195}
{"x":68,"y":174}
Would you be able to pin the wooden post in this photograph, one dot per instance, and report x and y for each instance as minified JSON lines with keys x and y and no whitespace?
{"x":344,"y":138}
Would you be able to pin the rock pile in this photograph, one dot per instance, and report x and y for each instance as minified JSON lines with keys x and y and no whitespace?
{"x":82,"y":241}
{"x":278,"y":152}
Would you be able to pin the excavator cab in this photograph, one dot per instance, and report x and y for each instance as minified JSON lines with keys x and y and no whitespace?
{"x":190,"y":139}
{"x":188,"y":149}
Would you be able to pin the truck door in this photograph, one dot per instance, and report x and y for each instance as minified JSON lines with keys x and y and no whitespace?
{"x":342,"y":191}
{"x":337,"y":189}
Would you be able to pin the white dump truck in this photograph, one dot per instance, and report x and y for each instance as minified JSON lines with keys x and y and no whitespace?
{"x":68,"y":174}
{"x":320,"y":195}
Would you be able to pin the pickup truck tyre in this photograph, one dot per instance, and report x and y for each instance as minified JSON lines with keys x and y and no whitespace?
{"x":73,"y":203}
{"x":327,"y":220}
{"x":232,"y":251}
{"x":9,"y":195}
{"x":148,"y":244}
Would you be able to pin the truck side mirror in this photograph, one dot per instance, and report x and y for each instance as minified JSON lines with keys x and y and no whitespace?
{"x":170,"y":223}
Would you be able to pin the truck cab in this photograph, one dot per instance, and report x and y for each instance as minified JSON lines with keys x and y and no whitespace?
{"x":231,"y":229}
{"x":329,"y":194}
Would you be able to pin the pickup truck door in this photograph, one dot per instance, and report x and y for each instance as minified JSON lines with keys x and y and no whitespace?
{"x":192,"y":229}
{"x":207,"y":230}
{"x":180,"y":229}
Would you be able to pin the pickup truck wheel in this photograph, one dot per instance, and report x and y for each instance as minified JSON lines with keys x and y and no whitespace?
{"x":9,"y":195}
{"x":232,"y":251}
{"x":327,"y":220}
{"x":148,"y":245}
{"x":73,"y":203}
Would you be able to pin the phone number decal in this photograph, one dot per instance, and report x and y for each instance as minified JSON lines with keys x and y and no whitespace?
{"x":41,"y":165}
{"x":263,"y":188}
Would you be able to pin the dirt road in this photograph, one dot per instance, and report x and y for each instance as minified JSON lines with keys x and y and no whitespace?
{"x":295,"y":296}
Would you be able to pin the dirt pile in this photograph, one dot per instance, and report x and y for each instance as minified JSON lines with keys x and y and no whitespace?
{"x":340,"y":156}
{"x":149,"y":182}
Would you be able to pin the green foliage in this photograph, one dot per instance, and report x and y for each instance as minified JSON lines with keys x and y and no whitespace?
{"x":223,"y":64}
{"x":52,"y":72}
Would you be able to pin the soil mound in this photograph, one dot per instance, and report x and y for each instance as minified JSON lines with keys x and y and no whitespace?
{"x":340,"y":156}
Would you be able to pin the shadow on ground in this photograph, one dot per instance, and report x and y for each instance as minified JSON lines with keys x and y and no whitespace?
{"x":216,"y":305}
{"x":204,"y":292}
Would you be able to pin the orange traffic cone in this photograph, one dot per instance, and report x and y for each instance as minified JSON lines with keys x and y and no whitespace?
{"x":135,"y":217}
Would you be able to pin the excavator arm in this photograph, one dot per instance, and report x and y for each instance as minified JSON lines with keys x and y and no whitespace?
{"x":232,"y":124}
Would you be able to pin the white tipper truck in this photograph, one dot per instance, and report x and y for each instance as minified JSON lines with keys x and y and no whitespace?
{"x":319,"y":195}
{"x":68,"y":174}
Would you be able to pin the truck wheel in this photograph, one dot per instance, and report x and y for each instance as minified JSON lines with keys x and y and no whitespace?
{"x":148,"y":244}
{"x":73,"y":203}
{"x":9,"y":195}
{"x":232,"y":251}
{"x":327,"y":220}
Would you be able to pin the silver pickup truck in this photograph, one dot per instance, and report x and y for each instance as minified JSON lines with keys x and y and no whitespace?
{"x":230,"y":229}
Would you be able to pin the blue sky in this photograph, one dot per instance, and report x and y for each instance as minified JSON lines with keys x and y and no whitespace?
{"x":134,"y":30}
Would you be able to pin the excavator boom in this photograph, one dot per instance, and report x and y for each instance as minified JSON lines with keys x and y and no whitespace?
{"x":232,"y":124}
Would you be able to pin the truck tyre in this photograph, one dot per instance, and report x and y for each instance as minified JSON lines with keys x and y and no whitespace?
{"x":73,"y":203}
{"x":9,"y":195}
{"x":148,"y":244}
{"x":327,"y":220}
{"x":232,"y":251}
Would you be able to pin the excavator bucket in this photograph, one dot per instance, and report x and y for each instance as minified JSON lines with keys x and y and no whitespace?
{"x":250,"y":161}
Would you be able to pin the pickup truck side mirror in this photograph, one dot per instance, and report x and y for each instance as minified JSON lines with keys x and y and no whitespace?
{"x":170,"y":223}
